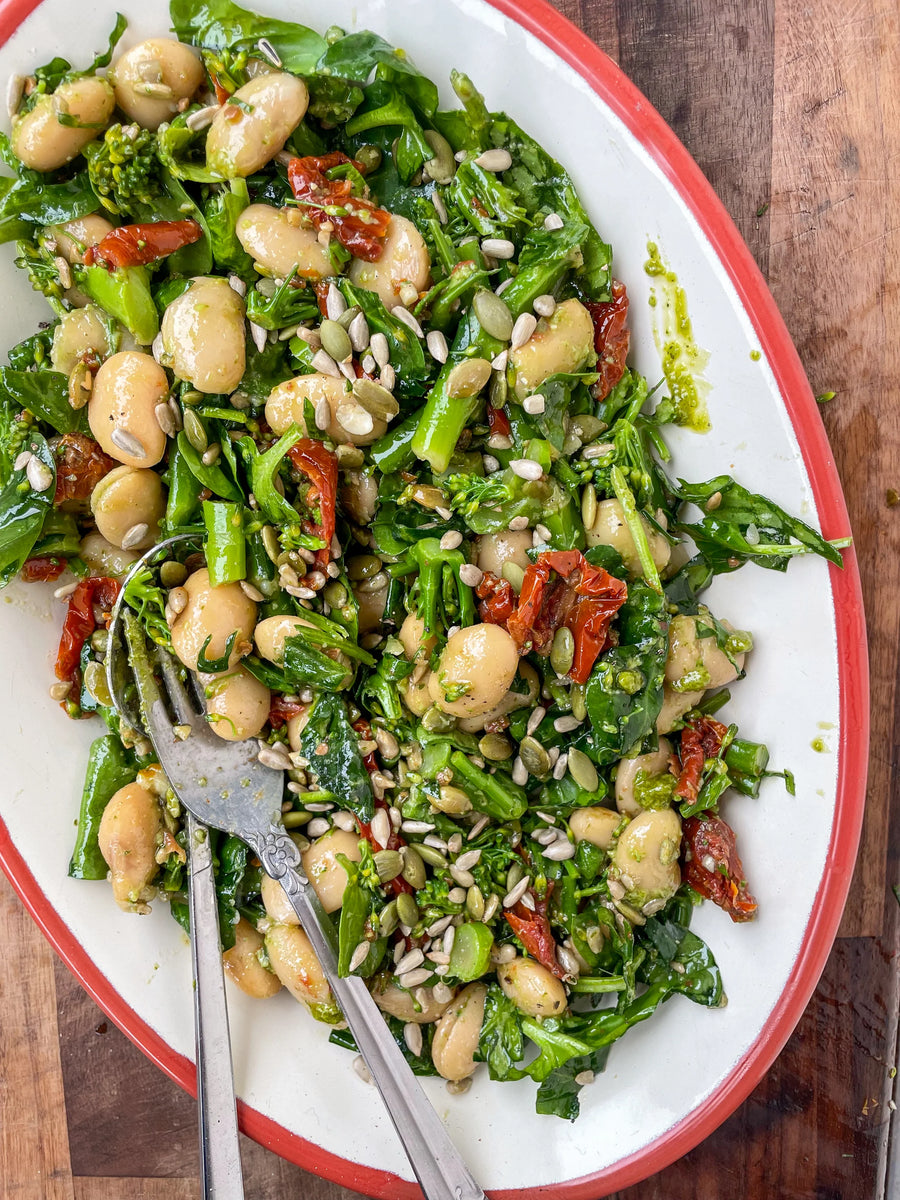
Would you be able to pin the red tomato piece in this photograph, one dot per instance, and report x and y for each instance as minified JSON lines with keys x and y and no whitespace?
{"x":138,"y":245}
{"x":43,"y":569}
{"x":701,"y":739}
{"x":80,"y":465}
{"x":611,"y":338}
{"x":359,"y":225}
{"x":713,"y":868}
{"x":320,"y":466}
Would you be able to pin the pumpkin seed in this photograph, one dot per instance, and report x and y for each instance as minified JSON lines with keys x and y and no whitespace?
{"x":442,"y":167}
{"x":95,"y":682}
{"x":363,"y":566}
{"x":576,"y":696}
{"x":562,"y":652}
{"x":270,"y":542}
{"x":499,"y":390}
{"x":349,"y":457}
{"x":369,"y":158}
{"x":587,"y":427}
{"x":495,"y":747}
{"x":514,"y":875}
{"x":535,"y":758}
{"x":375,"y":582}
{"x":194,"y":431}
{"x":493,"y":314}
{"x":375,"y":399}
{"x":436,"y":721}
{"x":413,"y":870}
{"x":475,"y":902}
{"x":468,"y":378}
{"x":583,"y":771}
{"x":335,"y":340}
{"x":433,"y":857}
{"x":80,"y":383}
{"x":172,"y":574}
{"x":428,"y":497}
{"x":335,"y":594}
{"x":388,"y":919}
{"x":452,"y":800}
{"x":347,"y":317}
{"x":407,"y":909}
{"x":388,"y":864}
{"x":191,"y":396}
{"x":588,"y":506}
{"x":514,"y":575}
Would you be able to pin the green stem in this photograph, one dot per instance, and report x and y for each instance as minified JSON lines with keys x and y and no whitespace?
{"x":635,"y":525}
{"x":226,"y":547}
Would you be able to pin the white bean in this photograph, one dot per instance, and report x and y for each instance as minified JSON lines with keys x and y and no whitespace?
{"x":494,"y":549}
{"x":294,"y":962}
{"x":457,"y":1033}
{"x":646,"y":856}
{"x":533,"y":989}
{"x":595,"y":825}
{"x":276,"y":242}
{"x":421,"y":1008}
{"x":147,"y":70}
{"x":74,"y":237}
{"x":562,"y":343}
{"x":124,"y":498}
{"x":43,"y":143}
{"x":404,"y":259}
{"x":271,"y":634}
{"x":242,"y":965}
{"x":653,"y":763}
{"x":237,"y":704}
{"x":287,"y":404}
{"x":413,"y":640}
{"x":276,"y":903}
{"x":214,"y":613}
{"x":80,"y":331}
{"x":609,"y":529}
{"x":325,"y":873}
{"x":103,"y":558}
{"x":476,"y":669}
{"x":126,"y":391}
{"x":692,"y":658}
{"x":203,"y":336}
{"x":129,"y":837}
{"x":242,"y":140}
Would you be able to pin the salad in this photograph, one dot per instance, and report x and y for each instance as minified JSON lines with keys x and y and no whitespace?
{"x":370,"y":359}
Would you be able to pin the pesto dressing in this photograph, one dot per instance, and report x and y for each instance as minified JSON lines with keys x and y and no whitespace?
{"x":683,"y":361}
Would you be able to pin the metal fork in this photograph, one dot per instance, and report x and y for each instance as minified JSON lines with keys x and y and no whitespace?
{"x":223,"y":785}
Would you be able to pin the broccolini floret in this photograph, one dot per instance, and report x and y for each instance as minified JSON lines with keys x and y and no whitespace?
{"x":124,"y":169}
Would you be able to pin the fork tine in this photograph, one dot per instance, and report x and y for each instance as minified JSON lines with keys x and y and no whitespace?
{"x":185,"y":711}
{"x":155,"y":718}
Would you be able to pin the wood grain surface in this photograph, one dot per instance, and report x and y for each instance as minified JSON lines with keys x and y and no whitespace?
{"x":792,"y":109}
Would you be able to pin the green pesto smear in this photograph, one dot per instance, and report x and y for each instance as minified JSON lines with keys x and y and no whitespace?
{"x":683,"y":361}
{"x":819,"y":746}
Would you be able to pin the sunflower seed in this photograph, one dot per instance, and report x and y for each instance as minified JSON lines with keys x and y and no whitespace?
{"x":566,"y":724}
{"x":61,"y":593}
{"x":14,"y":89}
{"x":409,"y":294}
{"x":22,"y":460}
{"x":451,"y":539}
{"x":259,"y":336}
{"x":517,"y":523}
{"x":345,"y":821}
{"x":560,"y":850}
{"x":544,"y":306}
{"x":317,"y":826}
{"x":127,"y":442}
{"x":525,"y":325}
{"x":534,"y":405}
{"x":526,"y":468}
{"x":491,"y":464}
{"x":449,"y":939}
{"x":135,"y":535}
{"x":500,"y":248}
{"x":568,"y":960}
{"x":494,"y":160}
{"x":471,"y":575}
{"x":310,"y":336}
{"x":466,"y":861}
{"x":553,"y":221}
{"x":437,"y":345}
{"x":354,"y":418}
{"x":156,"y":91}
{"x":463,"y":878}
{"x":369,"y":365}
{"x":519,"y":773}
{"x":38,"y":474}
{"x":498,"y":291}
{"x":406,"y":318}
{"x":535,"y":719}
{"x":380,"y":348}
{"x":559,"y":767}
{"x":359,"y":332}
{"x":164,"y":419}
{"x":412,"y":979}
{"x":280,"y":762}
{"x":381,"y":827}
{"x":584,"y":1078}
{"x":544,"y":837}
{"x":361,"y":1069}
{"x":359,"y":956}
{"x":412,"y":1035}
{"x":63,"y":270}
{"x":457,"y":895}
{"x":388,"y":377}
{"x":409,"y":961}
{"x":325,"y":364}
{"x":515,"y":894}
{"x":211,"y":454}
{"x":439,"y":207}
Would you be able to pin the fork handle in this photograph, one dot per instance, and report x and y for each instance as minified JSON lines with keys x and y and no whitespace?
{"x":436,"y":1162}
{"x":220,"y":1155}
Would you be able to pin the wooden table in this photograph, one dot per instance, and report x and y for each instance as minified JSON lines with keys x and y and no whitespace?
{"x":792,"y":108}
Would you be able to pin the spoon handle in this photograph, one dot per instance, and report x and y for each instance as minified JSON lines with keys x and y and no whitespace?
{"x":220,"y":1156}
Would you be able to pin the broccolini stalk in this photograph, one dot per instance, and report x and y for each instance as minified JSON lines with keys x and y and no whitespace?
{"x":125,"y":171}
{"x":226,"y":548}
{"x":124,"y":294}
{"x":441,"y":598}
{"x":635,"y":525}
{"x":543,"y":262}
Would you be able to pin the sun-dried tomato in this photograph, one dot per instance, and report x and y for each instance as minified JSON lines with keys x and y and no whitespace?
{"x":533,"y":930}
{"x":498,"y":422}
{"x":582,"y":598}
{"x":611,"y":338}
{"x":80,"y":465}
{"x":138,"y":245}
{"x":498,"y":600}
{"x":701,"y":739}
{"x":281,"y":711}
{"x":359,"y":225}
{"x":713,"y":868}
{"x":94,"y":592}
{"x":320,"y":466}
{"x":42,"y":569}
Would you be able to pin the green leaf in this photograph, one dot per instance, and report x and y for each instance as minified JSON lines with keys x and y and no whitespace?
{"x":223,"y":26}
{"x":230,"y":865}
{"x":46,"y":395}
{"x":212,"y":477}
{"x":340,"y":768}
{"x":354,"y":57}
{"x":500,"y":1043}
{"x":23,"y":510}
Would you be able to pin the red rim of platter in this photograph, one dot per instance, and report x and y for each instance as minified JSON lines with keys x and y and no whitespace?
{"x":648,"y":127}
